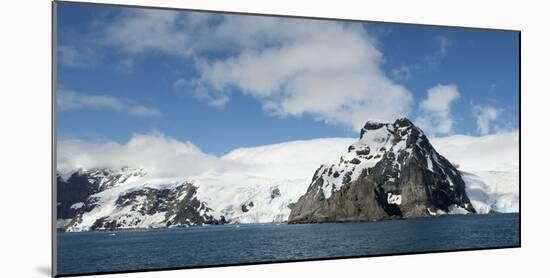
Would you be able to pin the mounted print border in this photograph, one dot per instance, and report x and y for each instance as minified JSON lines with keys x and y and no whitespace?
{"x":189,"y":138}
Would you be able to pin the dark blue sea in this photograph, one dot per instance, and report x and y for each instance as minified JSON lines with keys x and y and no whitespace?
{"x":91,"y":252}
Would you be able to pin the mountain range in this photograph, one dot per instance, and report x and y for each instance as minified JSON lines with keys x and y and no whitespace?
{"x":392,"y":171}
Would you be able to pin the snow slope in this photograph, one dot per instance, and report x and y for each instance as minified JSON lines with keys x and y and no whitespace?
{"x":490,"y":167}
{"x":285,"y":168}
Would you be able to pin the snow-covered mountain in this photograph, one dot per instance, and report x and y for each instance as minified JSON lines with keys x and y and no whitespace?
{"x":257,"y":184}
{"x":268,"y":180}
{"x":126,"y":198}
{"x":391,"y":171}
{"x":75,"y":189}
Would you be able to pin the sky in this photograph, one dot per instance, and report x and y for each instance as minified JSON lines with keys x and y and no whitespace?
{"x":228,"y":81}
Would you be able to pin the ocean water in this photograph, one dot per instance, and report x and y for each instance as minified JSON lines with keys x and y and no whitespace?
{"x":92,"y":252}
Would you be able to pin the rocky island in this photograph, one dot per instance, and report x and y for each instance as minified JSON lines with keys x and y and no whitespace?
{"x":391,"y":172}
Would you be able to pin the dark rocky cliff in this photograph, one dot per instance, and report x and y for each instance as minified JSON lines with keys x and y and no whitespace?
{"x":391,"y":172}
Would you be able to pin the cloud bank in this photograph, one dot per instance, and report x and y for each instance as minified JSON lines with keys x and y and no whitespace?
{"x":293,"y":67}
{"x":155,"y":152}
{"x":165,"y":157}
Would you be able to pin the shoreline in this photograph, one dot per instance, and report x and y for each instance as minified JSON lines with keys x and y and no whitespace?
{"x":341,"y":221}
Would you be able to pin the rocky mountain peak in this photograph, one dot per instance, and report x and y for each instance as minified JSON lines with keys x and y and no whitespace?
{"x":399,"y":169}
{"x":398,"y":123}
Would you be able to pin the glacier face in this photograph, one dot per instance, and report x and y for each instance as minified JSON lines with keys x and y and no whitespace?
{"x":268,"y":180}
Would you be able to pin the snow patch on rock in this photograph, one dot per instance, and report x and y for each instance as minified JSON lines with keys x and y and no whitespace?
{"x":394,"y":199}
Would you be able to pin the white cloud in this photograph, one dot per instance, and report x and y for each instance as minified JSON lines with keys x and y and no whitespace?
{"x":402,"y":72}
{"x":68,"y":100}
{"x":170,"y":32}
{"x":485,"y":116}
{"x":75,"y":57}
{"x":126,"y":65}
{"x":154,"y":152}
{"x":328,"y":70}
{"x":142,"y":111}
{"x":201,"y":92}
{"x":293,"y":67}
{"x":435,"y":111}
{"x":141,"y":30}
{"x":437,"y":57}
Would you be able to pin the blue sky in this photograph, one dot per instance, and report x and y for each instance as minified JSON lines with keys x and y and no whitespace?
{"x":224,"y":82}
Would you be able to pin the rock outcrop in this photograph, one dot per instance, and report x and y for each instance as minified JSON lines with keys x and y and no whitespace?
{"x":391,"y":172}
{"x":83,"y":202}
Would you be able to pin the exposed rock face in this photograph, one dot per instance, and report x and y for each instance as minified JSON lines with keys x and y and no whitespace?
{"x":73,"y":191}
{"x":139,"y":206}
{"x":391,"y":172}
{"x":175,"y":207}
{"x":82,"y":184}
